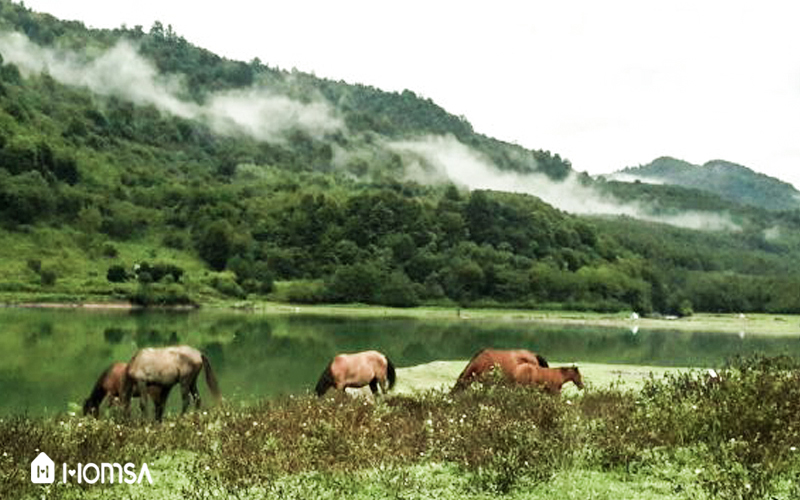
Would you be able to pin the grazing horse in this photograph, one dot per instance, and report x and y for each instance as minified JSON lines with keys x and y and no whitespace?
{"x":163,"y":368}
{"x":550,"y":380}
{"x":506,"y":361}
{"x":357,"y":370}
{"x":109,"y":386}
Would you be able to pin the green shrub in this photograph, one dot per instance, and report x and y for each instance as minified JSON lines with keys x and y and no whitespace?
{"x":156,"y":294}
{"x":117,"y":274}
{"x":305,"y":292}
{"x":226,"y":284}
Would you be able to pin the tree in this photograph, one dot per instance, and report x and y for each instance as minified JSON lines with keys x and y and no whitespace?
{"x":117,"y":274}
{"x":397,"y":290}
{"x":215,"y":244}
{"x":356,"y":283}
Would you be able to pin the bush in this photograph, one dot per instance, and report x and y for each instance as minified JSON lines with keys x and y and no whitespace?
{"x":110,"y":251}
{"x":147,"y":273}
{"x":48,"y":277}
{"x":741,"y":423}
{"x":397,"y":290}
{"x":305,"y":292}
{"x":355,"y":283}
{"x":117,"y":274}
{"x":226,"y":284}
{"x":149,"y":295}
{"x":252,"y":276}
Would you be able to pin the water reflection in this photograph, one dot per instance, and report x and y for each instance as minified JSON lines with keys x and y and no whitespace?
{"x":51,"y":358}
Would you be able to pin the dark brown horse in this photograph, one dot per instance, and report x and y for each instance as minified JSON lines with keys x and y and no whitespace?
{"x":357,"y":370}
{"x":506,"y":361}
{"x":550,"y":380}
{"x":108,"y":387}
{"x":163,"y":368}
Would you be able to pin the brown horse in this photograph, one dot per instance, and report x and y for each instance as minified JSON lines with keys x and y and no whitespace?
{"x":550,"y":380}
{"x":108,"y":387}
{"x":357,"y":370}
{"x":506,"y":361}
{"x":162,"y":368}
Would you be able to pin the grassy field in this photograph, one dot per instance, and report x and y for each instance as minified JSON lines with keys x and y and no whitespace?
{"x":675,"y":435}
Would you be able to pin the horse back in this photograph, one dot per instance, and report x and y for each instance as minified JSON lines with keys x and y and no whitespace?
{"x":164,"y":365}
{"x":506,"y":360}
{"x":358,"y":369}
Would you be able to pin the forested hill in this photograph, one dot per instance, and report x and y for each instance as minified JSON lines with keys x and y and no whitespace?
{"x":136,"y":166}
{"x":728,"y":180}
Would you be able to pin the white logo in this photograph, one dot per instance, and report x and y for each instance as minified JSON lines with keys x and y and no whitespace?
{"x":43,"y":470}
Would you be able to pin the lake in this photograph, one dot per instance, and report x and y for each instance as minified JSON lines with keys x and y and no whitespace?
{"x":51,"y":358}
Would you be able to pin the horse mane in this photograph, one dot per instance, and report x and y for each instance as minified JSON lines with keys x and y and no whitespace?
{"x":325,"y":381}
{"x":92,"y":403}
{"x":460,"y":383}
{"x":390,"y":373}
{"x":211,"y":380}
{"x":478,"y":353}
{"x":542,"y":362}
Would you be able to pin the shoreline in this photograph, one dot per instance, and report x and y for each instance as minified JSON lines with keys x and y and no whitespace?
{"x":738,"y":324}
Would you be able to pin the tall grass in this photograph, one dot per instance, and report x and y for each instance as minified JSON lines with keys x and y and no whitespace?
{"x":732,"y":436}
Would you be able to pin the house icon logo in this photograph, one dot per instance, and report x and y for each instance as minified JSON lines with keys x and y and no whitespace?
{"x":43,"y":470}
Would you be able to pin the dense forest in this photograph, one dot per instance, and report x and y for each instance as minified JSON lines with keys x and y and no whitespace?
{"x":166,"y":191}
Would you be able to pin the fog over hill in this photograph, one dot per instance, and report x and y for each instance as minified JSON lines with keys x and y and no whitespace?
{"x":122,"y":72}
{"x":436,"y":159}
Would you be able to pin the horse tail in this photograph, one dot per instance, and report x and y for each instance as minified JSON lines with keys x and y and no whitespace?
{"x":92,"y":403}
{"x":325,"y":381}
{"x":542,"y":362}
{"x":390,"y":373}
{"x":211,"y":380}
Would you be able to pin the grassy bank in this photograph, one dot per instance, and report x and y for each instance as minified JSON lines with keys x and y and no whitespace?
{"x":758,"y":324}
{"x":676,"y":436}
{"x":750,"y":324}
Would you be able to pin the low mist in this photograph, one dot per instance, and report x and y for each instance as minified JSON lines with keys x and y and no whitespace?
{"x":444,"y":159}
{"x":122,"y":72}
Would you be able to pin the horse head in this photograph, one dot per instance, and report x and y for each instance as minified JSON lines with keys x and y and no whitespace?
{"x":575,"y":376}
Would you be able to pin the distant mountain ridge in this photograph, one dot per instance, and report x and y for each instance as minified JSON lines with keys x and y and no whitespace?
{"x":730,"y":181}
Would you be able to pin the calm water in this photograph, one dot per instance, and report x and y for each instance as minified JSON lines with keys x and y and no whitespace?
{"x":50,"y":359}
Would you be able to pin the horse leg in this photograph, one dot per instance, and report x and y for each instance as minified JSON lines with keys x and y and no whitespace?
{"x":127,"y":393}
{"x":143,"y":394}
{"x":186,"y":395}
{"x":160,"y":402}
{"x":373,"y":385}
{"x":195,"y":394}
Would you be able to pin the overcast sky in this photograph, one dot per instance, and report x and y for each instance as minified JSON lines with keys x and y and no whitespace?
{"x":605,"y":84}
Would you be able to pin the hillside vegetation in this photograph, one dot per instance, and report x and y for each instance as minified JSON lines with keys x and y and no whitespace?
{"x":136,"y":166}
{"x":728,"y":180}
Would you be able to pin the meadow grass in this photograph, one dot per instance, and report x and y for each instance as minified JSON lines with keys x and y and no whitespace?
{"x":677,"y":435}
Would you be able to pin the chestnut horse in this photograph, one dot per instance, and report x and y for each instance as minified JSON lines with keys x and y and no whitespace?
{"x":550,"y":380}
{"x":109,"y":387}
{"x":357,"y":370}
{"x":506,"y":361}
{"x":162,"y":368}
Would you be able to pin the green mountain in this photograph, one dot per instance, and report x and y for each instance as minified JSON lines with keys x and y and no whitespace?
{"x":728,"y":180}
{"x":136,"y":166}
